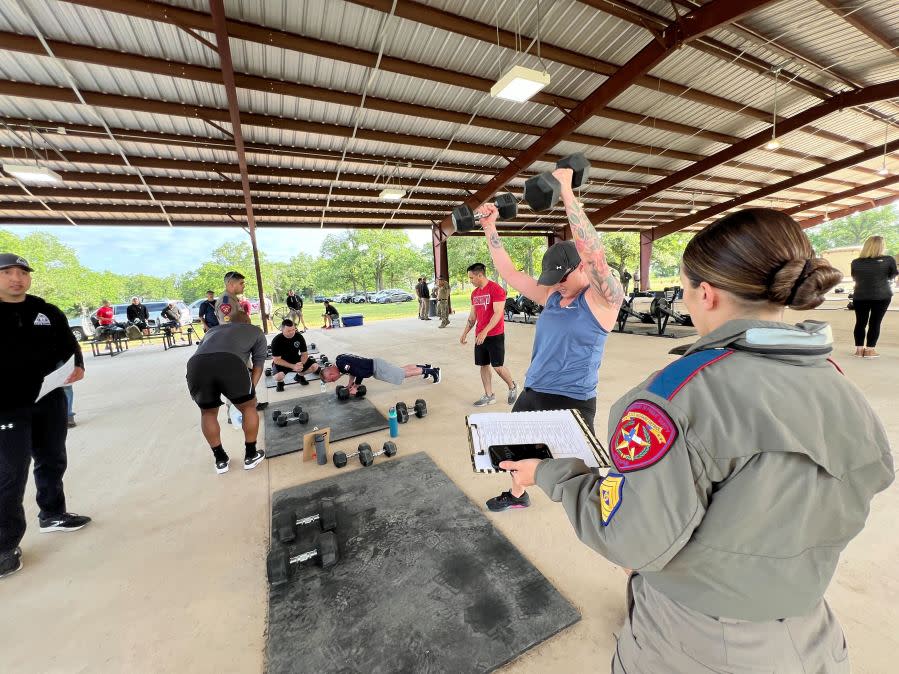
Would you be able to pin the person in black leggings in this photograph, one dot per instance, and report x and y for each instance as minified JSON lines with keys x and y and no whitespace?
{"x":873,"y":273}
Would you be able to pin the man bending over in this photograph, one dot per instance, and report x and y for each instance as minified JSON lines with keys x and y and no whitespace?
{"x":219,"y":367}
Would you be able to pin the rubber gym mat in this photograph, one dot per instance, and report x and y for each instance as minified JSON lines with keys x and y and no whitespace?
{"x":347,"y":419}
{"x":289,"y":380}
{"x":425,"y":583}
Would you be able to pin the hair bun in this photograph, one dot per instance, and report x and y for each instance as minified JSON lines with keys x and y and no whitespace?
{"x":803,"y":284}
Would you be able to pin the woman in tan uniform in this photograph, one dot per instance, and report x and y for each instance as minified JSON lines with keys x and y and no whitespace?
{"x":740,"y":473}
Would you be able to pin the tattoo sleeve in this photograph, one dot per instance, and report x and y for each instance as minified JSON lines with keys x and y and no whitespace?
{"x":589,"y":245}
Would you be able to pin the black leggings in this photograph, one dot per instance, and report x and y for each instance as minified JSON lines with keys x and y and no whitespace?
{"x":869,"y":313}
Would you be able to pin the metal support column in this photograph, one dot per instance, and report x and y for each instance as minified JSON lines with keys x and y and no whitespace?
{"x":441,"y":257}
{"x":646,"y":240}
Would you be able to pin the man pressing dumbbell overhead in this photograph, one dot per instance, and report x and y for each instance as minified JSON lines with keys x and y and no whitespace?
{"x":219,"y":367}
{"x":581,"y":295}
{"x":358,"y":369}
{"x":290,"y":355}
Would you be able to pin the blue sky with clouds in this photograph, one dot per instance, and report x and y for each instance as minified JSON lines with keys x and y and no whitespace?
{"x":161,"y":251}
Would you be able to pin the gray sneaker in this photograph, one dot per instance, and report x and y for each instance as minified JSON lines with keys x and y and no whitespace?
{"x":513,"y":393}
{"x":485,"y":400}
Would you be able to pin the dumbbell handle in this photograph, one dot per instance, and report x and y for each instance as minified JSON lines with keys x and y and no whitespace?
{"x":303,"y":556}
{"x":310,"y":519}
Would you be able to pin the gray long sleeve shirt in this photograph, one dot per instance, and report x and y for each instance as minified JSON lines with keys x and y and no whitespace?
{"x":241,"y":339}
{"x":741,"y":472}
{"x":872,"y":276}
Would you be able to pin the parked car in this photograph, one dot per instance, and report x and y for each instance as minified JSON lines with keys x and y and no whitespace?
{"x":81,"y":328}
{"x":195,"y":309}
{"x":321,"y":298}
{"x":362,"y":298}
{"x":391,"y":296}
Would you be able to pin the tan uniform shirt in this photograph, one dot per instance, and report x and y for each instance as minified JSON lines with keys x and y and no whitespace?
{"x":741,"y":472}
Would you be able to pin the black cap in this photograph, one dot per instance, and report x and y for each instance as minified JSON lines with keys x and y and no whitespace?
{"x":12,"y":260}
{"x":561,"y":259}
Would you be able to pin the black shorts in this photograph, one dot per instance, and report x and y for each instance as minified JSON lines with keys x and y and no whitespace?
{"x":535,"y":401}
{"x":310,"y":361}
{"x":212,"y":375}
{"x":491,"y":352}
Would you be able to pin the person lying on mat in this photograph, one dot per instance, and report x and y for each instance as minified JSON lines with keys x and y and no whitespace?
{"x":359,"y":368}
{"x":290,"y":355}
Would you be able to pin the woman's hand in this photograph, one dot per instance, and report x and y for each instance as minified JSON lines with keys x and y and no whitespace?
{"x":524,"y":472}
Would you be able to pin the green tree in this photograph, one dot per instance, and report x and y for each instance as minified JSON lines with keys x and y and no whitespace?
{"x":853,"y":230}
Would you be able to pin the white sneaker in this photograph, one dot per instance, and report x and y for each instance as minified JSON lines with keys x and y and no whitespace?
{"x":251,"y":463}
{"x":222,"y":466}
{"x":513,"y":393}
{"x":485,"y":400}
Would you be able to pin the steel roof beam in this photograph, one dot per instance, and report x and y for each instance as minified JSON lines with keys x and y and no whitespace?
{"x":861,"y":25}
{"x":855,"y":192}
{"x":834,"y":215}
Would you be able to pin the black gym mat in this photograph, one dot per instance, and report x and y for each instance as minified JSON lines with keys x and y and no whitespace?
{"x":672,"y":330}
{"x":424,"y":582}
{"x":347,"y":419}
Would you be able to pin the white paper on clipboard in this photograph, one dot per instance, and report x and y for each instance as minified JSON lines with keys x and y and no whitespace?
{"x":57,"y":378}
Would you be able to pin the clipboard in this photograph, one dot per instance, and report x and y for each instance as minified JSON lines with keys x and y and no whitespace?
{"x":591,"y":452}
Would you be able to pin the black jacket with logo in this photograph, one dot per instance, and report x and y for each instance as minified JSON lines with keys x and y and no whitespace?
{"x":35,"y":339}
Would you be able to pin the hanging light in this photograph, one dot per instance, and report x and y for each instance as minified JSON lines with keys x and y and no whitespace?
{"x":774,"y":144}
{"x":393,"y":193}
{"x":883,"y":170}
{"x":520,"y":83}
{"x":826,"y":215}
{"x":32,"y":174}
{"x":693,"y":208}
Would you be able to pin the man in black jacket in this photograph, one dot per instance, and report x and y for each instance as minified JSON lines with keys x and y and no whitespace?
{"x":295,"y":305}
{"x":424,"y":298}
{"x":138,"y":315}
{"x":36,"y":339}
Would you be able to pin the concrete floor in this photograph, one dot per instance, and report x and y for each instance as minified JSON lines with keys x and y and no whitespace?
{"x":170,"y":577}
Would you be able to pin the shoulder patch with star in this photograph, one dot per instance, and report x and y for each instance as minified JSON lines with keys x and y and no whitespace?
{"x":642,"y":437}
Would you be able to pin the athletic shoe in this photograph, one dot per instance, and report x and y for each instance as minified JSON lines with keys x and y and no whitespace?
{"x":253,"y":461}
{"x":63,"y":522}
{"x":279,"y":387}
{"x":505,"y":501}
{"x":222,"y":466}
{"x":261,"y":406}
{"x":300,"y":378}
{"x":513,"y":393}
{"x":870,"y":353}
{"x":435,"y":373}
{"x":485,"y":400}
{"x":423,"y":366}
{"x":71,"y":422}
{"x":10,"y":562}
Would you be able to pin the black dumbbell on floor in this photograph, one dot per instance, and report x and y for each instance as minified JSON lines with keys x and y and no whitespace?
{"x":465,"y":220}
{"x":296,"y":414}
{"x":402,"y":410}
{"x":365,"y":454}
{"x":325,"y":553}
{"x":286,"y":524}
{"x":541,"y":192}
{"x":343,"y":393}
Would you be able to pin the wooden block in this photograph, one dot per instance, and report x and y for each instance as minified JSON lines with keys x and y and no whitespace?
{"x":309,"y":442}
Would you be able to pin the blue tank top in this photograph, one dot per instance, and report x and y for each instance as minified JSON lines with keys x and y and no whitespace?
{"x":568,"y":349}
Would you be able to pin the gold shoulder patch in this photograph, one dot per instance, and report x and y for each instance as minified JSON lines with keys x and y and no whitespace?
{"x":610,"y":491}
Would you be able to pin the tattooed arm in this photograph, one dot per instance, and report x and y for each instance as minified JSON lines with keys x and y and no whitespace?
{"x":604,"y":283}
{"x":518,"y":280}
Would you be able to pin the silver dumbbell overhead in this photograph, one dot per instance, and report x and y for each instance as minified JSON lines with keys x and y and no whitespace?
{"x":541,"y":192}
{"x":465,"y":219}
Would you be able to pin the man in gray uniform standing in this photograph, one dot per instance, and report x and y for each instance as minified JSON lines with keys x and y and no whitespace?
{"x":741,"y":470}
{"x":219,"y":367}
{"x":227,"y":305}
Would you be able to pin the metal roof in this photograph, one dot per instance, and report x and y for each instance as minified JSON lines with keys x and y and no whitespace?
{"x":150,"y":71}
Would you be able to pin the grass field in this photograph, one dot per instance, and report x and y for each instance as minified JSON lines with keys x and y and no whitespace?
{"x":312,"y":312}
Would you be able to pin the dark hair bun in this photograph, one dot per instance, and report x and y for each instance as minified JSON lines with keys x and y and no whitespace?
{"x":814,"y":282}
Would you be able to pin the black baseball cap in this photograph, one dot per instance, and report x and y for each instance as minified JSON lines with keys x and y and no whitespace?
{"x":561,"y":259}
{"x":12,"y":260}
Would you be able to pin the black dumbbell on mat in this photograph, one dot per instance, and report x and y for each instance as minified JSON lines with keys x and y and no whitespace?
{"x":296,"y":414}
{"x":465,"y":219}
{"x":402,"y":410}
{"x":325,"y":553}
{"x":343,"y":393}
{"x":366,"y":456}
{"x":541,"y":192}
{"x":286,"y":524}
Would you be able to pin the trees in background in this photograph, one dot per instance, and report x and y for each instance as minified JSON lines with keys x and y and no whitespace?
{"x":854,"y":229}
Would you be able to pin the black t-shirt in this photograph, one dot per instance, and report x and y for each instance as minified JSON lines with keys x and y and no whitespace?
{"x":207,"y":313}
{"x":35,"y":339}
{"x":331,"y":310}
{"x":872,"y":276}
{"x":288,"y":349}
{"x":356,"y":366}
{"x":294,"y":302}
{"x":137,"y":311}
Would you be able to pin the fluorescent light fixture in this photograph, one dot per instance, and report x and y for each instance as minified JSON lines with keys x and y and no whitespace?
{"x":391,"y":194}
{"x":519,"y":84}
{"x":772,"y":144}
{"x":32,"y":174}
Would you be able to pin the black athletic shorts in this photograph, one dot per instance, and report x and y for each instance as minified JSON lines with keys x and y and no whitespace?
{"x":491,"y":352}
{"x":212,"y":375}
{"x":310,"y":361}
{"x":535,"y":401}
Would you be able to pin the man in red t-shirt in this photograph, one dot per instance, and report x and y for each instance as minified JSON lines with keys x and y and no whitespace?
{"x":105,"y":314}
{"x":488,"y":301}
